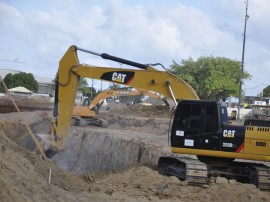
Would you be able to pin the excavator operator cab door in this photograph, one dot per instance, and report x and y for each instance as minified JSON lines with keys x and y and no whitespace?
{"x":197,"y":125}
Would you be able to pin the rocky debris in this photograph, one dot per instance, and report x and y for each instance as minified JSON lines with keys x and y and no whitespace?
{"x":221,"y":180}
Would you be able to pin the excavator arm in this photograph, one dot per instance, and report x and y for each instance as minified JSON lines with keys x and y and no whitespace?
{"x":87,"y":111}
{"x":146,"y":78}
{"x":111,"y":93}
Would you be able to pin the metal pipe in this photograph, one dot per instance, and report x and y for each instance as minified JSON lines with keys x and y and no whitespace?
{"x":170,"y":88}
{"x":88,"y":51}
{"x":116,"y":59}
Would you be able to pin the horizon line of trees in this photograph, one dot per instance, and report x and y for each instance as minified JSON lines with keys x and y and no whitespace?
{"x":211,"y":77}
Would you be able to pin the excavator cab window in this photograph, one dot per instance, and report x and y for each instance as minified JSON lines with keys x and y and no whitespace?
{"x":189,"y":117}
{"x":199,"y":117}
{"x":196,"y":121}
{"x":211,"y":118}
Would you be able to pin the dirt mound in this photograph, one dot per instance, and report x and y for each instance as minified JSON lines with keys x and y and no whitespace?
{"x":25,"y":176}
{"x":152,"y":111}
{"x":145,"y":183}
{"x":24,"y":104}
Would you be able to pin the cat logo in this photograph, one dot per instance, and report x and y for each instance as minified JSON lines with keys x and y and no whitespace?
{"x":118,"y":77}
{"x":123,"y":77}
{"x":228,"y":133}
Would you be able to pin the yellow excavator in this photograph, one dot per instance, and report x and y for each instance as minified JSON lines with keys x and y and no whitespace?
{"x":199,"y":127}
{"x":86,"y":114}
{"x":146,"y":78}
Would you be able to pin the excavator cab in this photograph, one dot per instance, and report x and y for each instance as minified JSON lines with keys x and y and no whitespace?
{"x":202,"y":126}
{"x":197,"y":124}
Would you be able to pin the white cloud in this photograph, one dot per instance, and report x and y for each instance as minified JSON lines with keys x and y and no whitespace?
{"x":147,"y":34}
{"x":10,"y":17}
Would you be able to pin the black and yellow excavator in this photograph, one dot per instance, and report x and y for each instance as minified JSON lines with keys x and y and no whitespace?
{"x":145,"y":78}
{"x":199,"y":127}
{"x":86,"y":114}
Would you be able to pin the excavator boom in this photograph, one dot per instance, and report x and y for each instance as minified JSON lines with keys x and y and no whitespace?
{"x":147,"y":78}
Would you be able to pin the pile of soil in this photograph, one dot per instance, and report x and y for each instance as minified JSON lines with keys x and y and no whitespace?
{"x":25,"y":175}
{"x":140,"y":110}
{"x":24,"y":104}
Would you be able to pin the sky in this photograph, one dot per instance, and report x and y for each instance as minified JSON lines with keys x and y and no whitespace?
{"x":36,"y":33}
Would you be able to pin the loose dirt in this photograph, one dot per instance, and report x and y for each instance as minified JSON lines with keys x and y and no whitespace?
{"x":24,"y":175}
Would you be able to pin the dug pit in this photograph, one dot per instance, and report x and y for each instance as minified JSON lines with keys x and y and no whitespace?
{"x":95,"y":149}
{"x":92,"y":149}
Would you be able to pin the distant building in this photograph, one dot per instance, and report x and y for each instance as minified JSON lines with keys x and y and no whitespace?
{"x":256,"y":100}
{"x":45,"y":84}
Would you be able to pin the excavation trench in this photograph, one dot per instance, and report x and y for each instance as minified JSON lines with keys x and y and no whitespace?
{"x":94,"y":150}
{"x":129,"y":141}
{"x":91,"y":149}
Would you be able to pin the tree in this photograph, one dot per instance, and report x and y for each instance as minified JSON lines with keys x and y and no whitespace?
{"x":23,"y":79}
{"x":92,"y":92}
{"x":212,"y":77}
{"x":83,"y":86}
{"x":2,"y":89}
{"x":266,"y":91}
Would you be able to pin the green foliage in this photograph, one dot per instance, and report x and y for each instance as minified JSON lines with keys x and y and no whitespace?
{"x":23,"y":79}
{"x":266,"y":91}
{"x":92,"y":92}
{"x":212,"y":77}
{"x":83,"y":86}
{"x":2,"y":89}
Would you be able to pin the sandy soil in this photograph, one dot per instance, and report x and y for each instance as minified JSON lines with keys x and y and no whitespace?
{"x":24,"y":176}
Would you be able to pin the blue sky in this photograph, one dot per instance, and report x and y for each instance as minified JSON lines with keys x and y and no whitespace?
{"x":36,"y":33}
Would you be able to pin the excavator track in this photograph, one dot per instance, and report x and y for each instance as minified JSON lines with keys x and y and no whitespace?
{"x":198,"y":172}
{"x":191,"y":170}
{"x":263,"y":177}
{"x":246,"y":172}
{"x":79,"y":121}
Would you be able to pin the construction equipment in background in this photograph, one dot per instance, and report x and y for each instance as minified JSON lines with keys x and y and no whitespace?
{"x":87,"y":113}
{"x":199,"y":127}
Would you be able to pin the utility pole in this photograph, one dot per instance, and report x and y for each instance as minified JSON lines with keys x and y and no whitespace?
{"x":243,"y":60}
{"x":101,"y":85}
{"x":92,"y":87}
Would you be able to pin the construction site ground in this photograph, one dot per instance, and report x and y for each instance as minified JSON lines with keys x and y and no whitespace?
{"x":117,"y":163}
